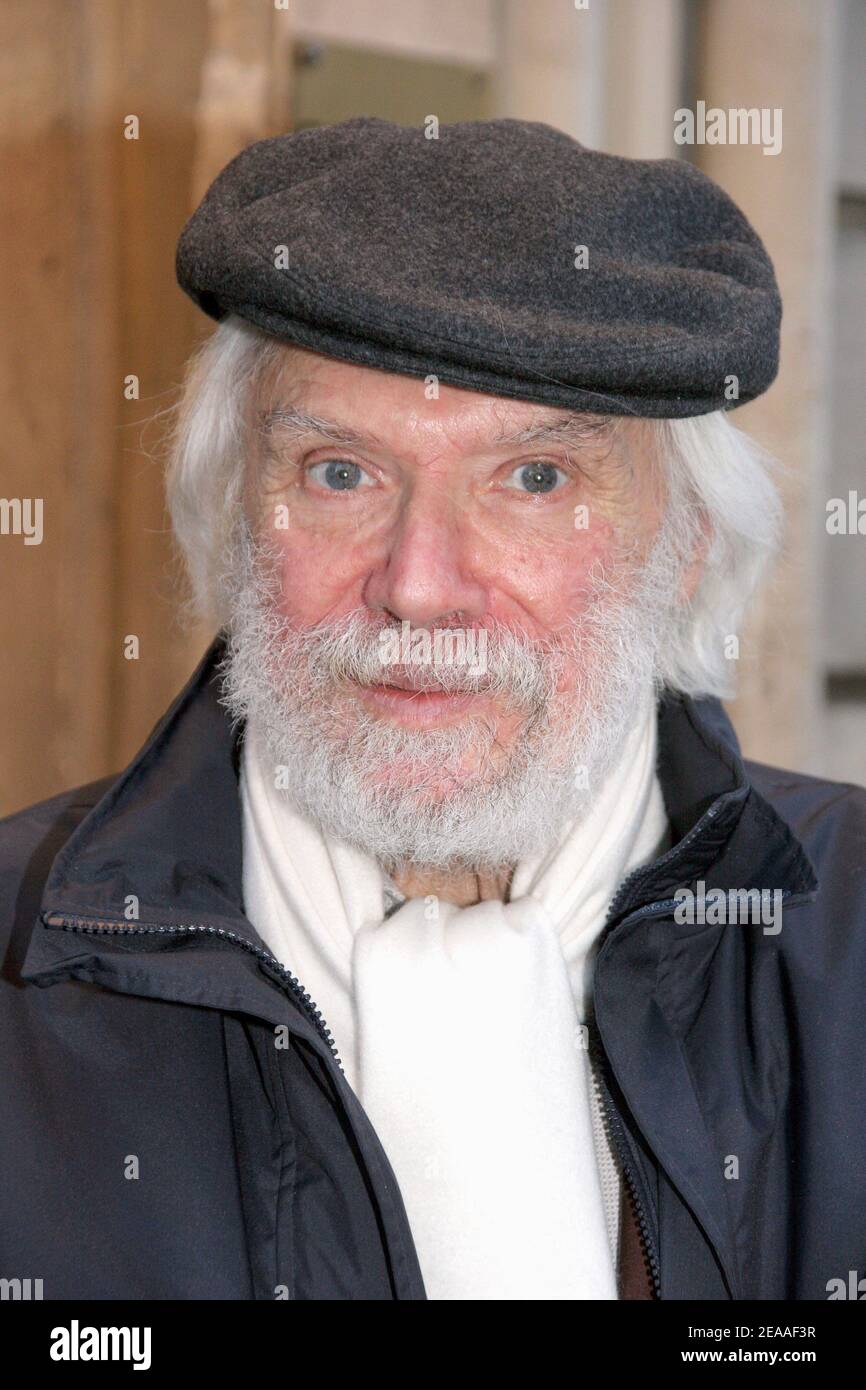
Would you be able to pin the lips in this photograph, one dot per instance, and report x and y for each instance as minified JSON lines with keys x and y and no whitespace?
{"x":417,"y":682}
{"x":413,"y":685}
{"x":421,"y":707}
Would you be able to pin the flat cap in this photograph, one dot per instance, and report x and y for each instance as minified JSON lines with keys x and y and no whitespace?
{"x":502,"y":256}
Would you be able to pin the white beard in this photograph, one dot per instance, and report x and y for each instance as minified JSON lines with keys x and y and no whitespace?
{"x":379,"y":786}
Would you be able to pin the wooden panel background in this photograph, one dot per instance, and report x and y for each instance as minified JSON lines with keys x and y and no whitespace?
{"x":88,"y":294}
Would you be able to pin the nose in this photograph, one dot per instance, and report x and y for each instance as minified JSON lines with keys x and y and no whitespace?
{"x":426,"y":576}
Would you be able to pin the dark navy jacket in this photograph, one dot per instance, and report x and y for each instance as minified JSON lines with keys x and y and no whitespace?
{"x":157,"y":1142}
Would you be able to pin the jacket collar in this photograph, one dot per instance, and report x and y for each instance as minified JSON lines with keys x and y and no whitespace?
{"x":165,"y":840}
{"x":160,"y":851}
{"x":167,"y":834}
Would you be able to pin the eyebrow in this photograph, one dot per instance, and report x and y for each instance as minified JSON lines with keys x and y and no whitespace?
{"x":299,"y":422}
{"x":573,"y":427}
{"x":576,"y":428}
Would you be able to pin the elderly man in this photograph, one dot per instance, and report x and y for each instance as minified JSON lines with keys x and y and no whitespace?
{"x":455,"y":481}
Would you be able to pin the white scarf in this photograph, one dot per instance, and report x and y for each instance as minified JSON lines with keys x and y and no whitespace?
{"x":459,"y":1028}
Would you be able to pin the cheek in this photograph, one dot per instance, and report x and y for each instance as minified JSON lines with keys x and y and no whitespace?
{"x":320,"y":581}
{"x":549,"y":578}
{"x":546,"y":587}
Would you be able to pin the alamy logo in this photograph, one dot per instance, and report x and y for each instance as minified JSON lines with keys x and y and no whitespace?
{"x":20,"y":1290}
{"x":846,"y":516}
{"x":720,"y":906}
{"x":77,"y":1343}
{"x":443,"y":647}
{"x":22,"y":516}
{"x":854,"y":1288}
{"x":739,"y":125}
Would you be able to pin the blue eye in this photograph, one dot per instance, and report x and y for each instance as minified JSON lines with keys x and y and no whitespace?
{"x":338,"y":475}
{"x":537,"y":477}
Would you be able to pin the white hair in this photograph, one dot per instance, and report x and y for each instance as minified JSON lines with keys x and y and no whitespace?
{"x":718,"y":478}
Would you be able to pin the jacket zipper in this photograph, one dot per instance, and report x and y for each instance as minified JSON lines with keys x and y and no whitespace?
{"x":599,"y":1056}
{"x":620,"y":1144}
{"x":91,"y":927}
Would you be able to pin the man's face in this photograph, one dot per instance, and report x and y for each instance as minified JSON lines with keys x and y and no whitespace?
{"x":405,"y":512}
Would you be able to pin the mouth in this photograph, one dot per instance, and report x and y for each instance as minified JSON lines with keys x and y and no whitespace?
{"x":413,"y":701}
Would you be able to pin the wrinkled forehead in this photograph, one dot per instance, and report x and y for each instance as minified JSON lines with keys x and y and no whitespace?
{"x":307,"y":393}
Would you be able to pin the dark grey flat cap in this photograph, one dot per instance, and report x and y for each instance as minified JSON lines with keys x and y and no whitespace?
{"x":461,"y":257}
